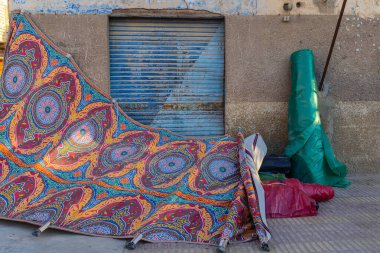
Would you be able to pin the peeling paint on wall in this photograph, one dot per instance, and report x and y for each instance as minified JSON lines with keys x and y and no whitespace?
{"x":325,"y":6}
{"x":226,"y":7}
{"x":362,"y":8}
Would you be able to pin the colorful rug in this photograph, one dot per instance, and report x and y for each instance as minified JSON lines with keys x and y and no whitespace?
{"x":71,"y":157}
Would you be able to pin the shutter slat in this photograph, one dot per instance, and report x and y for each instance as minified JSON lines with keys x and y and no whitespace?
{"x":169,"y":73}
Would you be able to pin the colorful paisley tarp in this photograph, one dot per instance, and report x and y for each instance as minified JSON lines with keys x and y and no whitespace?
{"x":71,"y":157}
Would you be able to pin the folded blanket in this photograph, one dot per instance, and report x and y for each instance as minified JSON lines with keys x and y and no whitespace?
{"x":291,"y":198}
{"x":72,"y":160}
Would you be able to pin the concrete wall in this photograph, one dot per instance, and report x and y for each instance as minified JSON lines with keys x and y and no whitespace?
{"x":257,"y":65}
{"x":85,"y":37}
{"x":226,"y":7}
{"x":363,"y":8}
{"x":258,"y":80}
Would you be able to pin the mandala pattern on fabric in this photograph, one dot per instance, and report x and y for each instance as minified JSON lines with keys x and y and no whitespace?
{"x":168,"y":166}
{"x":53,"y":208}
{"x":23,"y":67}
{"x":71,"y":157}
{"x":178,"y":223}
{"x":123,"y":210}
{"x":15,"y":194}
{"x":16,"y":78}
{"x":81,"y":139}
{"x":219,"y":171}
{"x":46,"y":111}
{"x":118,"y":158}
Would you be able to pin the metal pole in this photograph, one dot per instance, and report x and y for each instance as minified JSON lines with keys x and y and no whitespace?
{"x":332,"y":45}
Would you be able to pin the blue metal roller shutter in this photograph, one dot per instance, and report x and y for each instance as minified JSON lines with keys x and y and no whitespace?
{"x":169,"y":73}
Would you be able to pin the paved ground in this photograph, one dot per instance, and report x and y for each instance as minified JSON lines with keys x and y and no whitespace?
{"x":348,"y":223}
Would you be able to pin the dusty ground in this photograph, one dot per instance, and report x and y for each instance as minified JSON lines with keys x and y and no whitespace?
{"x":348,"y":223}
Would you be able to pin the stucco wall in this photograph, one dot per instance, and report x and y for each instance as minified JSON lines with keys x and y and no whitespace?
{"x":363,"y":8}
{"x":226,"y":7}
{"x":258,"y":81}
{"x":257,"y":63}
{"x":85,"y":37}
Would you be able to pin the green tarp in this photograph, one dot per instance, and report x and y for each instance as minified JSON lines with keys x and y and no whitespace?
{"x":313,"y":160}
